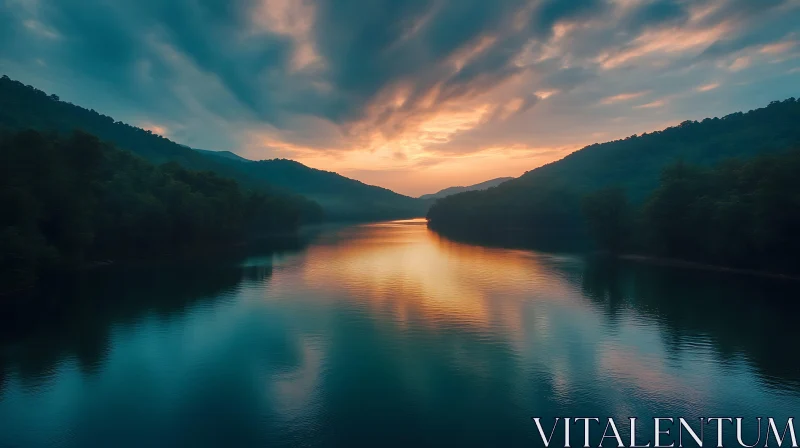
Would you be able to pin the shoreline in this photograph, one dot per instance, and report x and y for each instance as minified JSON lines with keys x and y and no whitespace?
{"x":632,"y":257}
{"x":205,"y":251}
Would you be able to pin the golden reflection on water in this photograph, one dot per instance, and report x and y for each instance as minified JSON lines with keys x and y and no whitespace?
{"x":515,"y":300}
{"x":410,"y":271}
{"x":380,"y":318}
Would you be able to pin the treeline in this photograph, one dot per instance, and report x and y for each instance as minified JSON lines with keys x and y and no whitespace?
{"x":66,"y":201}
{"x":546,"y":215}
{"x":544,"y":207}
{"x":740,"y":213}
{"x":26,"y":107}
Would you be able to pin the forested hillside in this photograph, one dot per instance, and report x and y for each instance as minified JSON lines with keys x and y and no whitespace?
{"x":25,"y":107}
{"x":544,"y":206}
{"x":66,"y":201}
{"x":342,"y":198}
{"x":740,"y":213}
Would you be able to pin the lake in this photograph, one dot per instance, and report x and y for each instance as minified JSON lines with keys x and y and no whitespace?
{"x":387,"y":334}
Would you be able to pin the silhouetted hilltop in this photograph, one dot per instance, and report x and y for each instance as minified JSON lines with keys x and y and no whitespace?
{"x":23,"y":107}
{"x":454,"y":190}
{"x":543,"y":206}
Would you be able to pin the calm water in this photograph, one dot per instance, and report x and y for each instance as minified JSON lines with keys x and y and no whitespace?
{"x":387,"y":335}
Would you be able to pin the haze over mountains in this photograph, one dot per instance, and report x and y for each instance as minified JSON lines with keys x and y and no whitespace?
{"x":453,"y":190}
{"x":342,"y":198}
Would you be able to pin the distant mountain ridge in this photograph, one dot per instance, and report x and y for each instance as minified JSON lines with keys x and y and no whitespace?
{"x":342,"y":198}
{"x":23,"y":107}
{"x":543,"y":206}
{"x":225,"y":154}
{"x":454,"y":190}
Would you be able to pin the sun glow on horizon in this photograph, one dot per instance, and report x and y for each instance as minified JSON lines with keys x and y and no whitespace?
{"x":427,"y":104}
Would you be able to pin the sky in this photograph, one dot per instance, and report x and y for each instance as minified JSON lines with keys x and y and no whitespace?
{"x":412,"y":95}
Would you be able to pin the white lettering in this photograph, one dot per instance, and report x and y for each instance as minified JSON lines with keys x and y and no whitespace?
{"x":719,"y":428}
{"x":586,"y":428}
{"x":779,"y":439}
{"x":615,"y":436}
{"x":697,"y":440}
{"x":541,"y":431}
{"x":739,"y":433}
{"x":659,"y":432}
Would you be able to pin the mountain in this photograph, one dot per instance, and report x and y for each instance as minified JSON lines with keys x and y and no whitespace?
{"x":453,"y":190}
{"x":543,"y":206}
{"x":71,"y":200}
{"x":341,"y":198}
{"x":225,"y":154}
{"x":741,"y":214}
{"x":23,"y":107}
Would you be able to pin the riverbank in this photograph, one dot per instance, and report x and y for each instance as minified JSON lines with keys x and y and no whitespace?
{"x":208,"y":251}
{"x":579,"y":249}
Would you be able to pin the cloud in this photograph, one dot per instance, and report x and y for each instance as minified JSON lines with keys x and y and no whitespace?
{"x":740,"y":63}
{"x":651,"y":105}
{"x":707,"y":87}
{"x":402,"y":85}
{"x":752,"y":24}
{"x":155,"y":129}
{"x":294,"y":19}
{"x":778,"y":47}
{"x":623,"y":97}
{"x":41,"y":30}
{"x":658,"y":13}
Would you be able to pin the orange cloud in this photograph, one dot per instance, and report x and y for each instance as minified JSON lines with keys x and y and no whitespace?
{"x":435,"y":171}
{"x":740,"y":63}
{"x":294,"y":19}
{"x":404,"y":130}
{"x":707,"y":87}
{"x":155,"y":129}
{"x":778,"y":47}
{"x":439,"y":125}
{"x":651,"y":105}
{"x":666,"y":41}
{"x":469,"y":52}
{"x":623,"y":97}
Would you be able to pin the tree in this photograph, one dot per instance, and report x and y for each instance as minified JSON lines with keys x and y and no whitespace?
{"x":68,"y":200}
{"x":609,"y":218}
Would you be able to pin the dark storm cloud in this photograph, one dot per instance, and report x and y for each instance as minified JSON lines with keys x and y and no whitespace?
{"x":551,"y":12}
{"x":763,"y":23}
{"x":658,"y":13}
{"x":370,"y":44}
{"x":742,"y":9}
{"x":108,"y":39}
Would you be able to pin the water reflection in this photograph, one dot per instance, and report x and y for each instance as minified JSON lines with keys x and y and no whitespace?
{"x":385,"y":334}
{"x":72,"y":317}
{"x":742,"y":317}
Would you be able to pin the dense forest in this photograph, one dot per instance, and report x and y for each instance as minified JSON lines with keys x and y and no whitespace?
{"x":740,"y":213}
{"x":25,"y":107}
{"x":71,"y":200}
{"x":546,"y":208}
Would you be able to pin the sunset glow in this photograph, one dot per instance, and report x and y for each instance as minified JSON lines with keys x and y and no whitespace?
{"x":412,"y":97}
